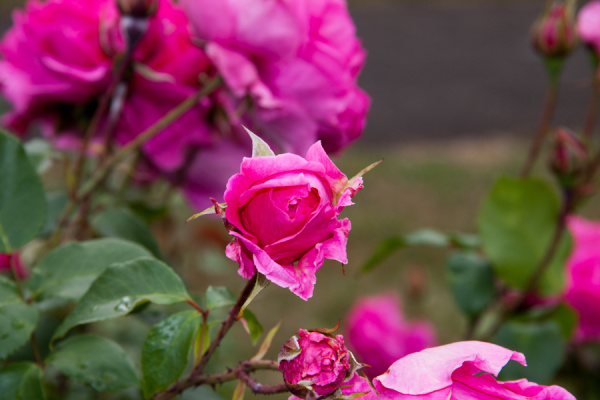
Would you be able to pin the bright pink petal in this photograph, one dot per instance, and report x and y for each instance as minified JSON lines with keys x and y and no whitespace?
{"x":431,"y":369}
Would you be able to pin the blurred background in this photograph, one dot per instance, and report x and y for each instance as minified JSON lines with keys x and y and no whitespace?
{"x":456,"y":94}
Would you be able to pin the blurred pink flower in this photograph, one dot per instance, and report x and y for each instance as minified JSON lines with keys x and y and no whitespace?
{"x":297,"y":61}
{"x":583,"y":276}
{"x":460,"y":371}
{"x":60,"y":55}
{"x":283,"y":211}
{"x":5,"y":264}
{"x":379,"y":335}
{"x":320,"y":361}
{"x":588,"y":25}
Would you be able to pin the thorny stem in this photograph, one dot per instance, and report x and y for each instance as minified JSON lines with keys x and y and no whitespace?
{"x":214,"y":379}
{"x":559,"y":231}
{"x":259,"y":388}
{"x":536,"y":144}
{"x":196,"y":378}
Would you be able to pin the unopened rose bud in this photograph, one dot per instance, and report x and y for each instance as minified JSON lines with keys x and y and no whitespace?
{"x":8,"y":261}
{"x":553,"y":33}
{"x":569,"y":157}
{"x":138,"y":8}
{"x":315,"y":365}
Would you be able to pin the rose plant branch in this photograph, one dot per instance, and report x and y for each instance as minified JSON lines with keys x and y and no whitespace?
{"x":559,"y":232}
{"x":209,"y":87}
{"x":216,"y":378}
{"x":259,"y":388}
{"x":195,"y":377}
{"x":544,"y":124}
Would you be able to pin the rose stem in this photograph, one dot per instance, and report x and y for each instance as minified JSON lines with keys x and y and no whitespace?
{"x":195,"y":376}
{"x":536,"y":144}
{"x":132,"y":146}
{"x":214,"y":379}
{"x":259,"y":388}
{"x":567,"y":206}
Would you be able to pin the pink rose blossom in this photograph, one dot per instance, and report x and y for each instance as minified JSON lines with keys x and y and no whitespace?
{"x":297,"y":61}
{"x":60,"y":55}
{"x":588,"y":24}
{"x":5,"y":264}
{"x":379,"y":335}
{"x":460,"y":371}
{"x":315,"y":360}
{"x":583,"y":276}
{"x":284,"y":211}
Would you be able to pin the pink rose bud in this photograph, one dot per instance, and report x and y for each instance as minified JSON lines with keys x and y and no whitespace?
{"x":588,"y":25}
{"x":569,"y":157}
{"x":379,"y":335}
{"x":5,"y":264}
{"x":283,"y":212}
{"x":314,"y":364}
{"x":461,"y":370}
{"x":583,"y":277}
{"x":554,"y":32}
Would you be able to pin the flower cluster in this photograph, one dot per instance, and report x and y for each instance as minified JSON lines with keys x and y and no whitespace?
{"x":295,"y":81}
{"x":316,"y":365}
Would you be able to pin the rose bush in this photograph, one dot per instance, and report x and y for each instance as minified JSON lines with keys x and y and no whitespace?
{"x":379,"y":335}
{"x":296,"y":61}
{"x":583,"y":277}
{"x":460,"y":371}
{"x":316,"y":362}
{"x":283,"y":213}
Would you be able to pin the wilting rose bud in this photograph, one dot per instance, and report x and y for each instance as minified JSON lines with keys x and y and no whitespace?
{"x":569,"y":157}
{"x":553,"y":33}
{"x":315,"y":365}
{"x":5,"y":264}
{"x":137,"y":8}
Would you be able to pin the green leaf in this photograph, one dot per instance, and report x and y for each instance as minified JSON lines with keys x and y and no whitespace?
{"x":22,"y":201}
{"x":121,"y":287}
{"x":17,"y":319}
{"x":566,"y":319}
{"x":471,"y":279}
{"x":21,"y":381}
{"x":260,"y":148}
{"x":266,"y":344}
{"x":68,"y":271}
{"x":542,"y":344}
{"x":122,"y":223}
{"x":40,"y":153}
{"x":166,"y":350}
{"x":217,"y":297}
{"x":56,"y":202}
{"x":252,"y":326}
{"x":517,"y":221}
{"x":95,"y":361}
